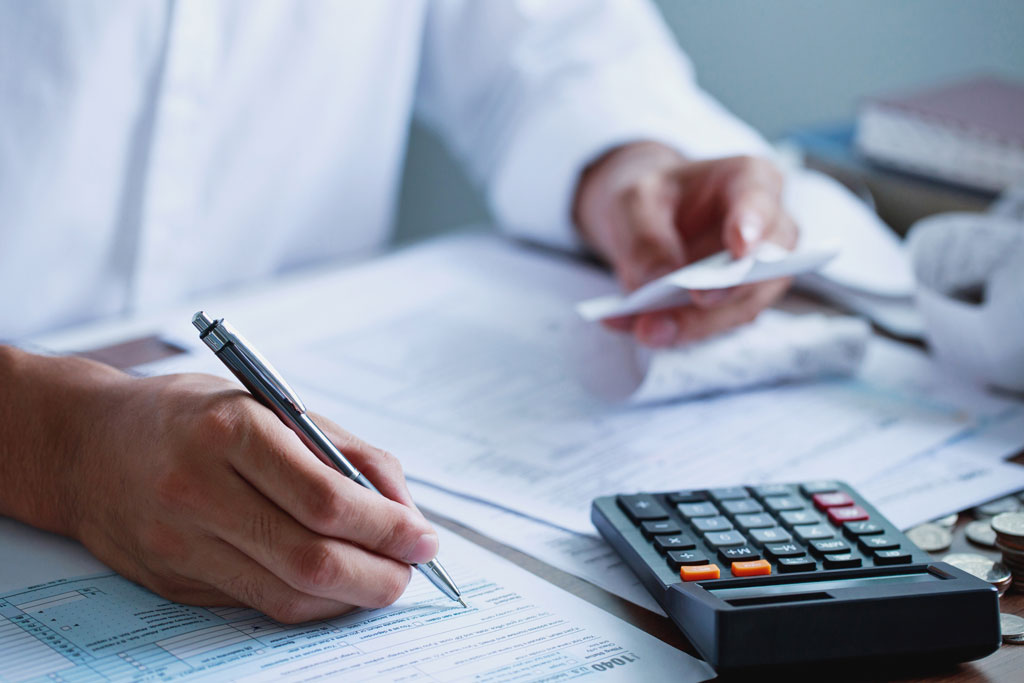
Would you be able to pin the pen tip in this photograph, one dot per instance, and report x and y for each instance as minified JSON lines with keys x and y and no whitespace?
{"x":463,"y":603}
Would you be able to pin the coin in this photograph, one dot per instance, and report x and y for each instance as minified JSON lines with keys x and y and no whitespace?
{"x":1012,"y":628}
{"x":996,"y":573}
{"x":948,"y":522}
{"x":931,"y":538}
{"x":981,"y":532}
{"x":998,"y":506}
{"x":1010,"y":524}
{"x":954,"y":558}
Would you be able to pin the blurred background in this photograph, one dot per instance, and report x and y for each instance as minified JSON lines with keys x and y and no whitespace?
{"x":782,"y":65}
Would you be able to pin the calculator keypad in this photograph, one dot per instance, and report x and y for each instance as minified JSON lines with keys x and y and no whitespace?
{"x":756,"y":531}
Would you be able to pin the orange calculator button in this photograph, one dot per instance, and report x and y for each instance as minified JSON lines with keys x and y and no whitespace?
{"x":751,"y":568}
{"x":700,"y":572}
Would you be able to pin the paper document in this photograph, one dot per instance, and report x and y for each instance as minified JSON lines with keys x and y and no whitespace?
{"x":871,"y":259}
{"x":518,"y":627}
{"x":777,"y":347}
{"x":581,"y":555}
{"x":897,"y":315}
{"x":718,"y":271}
{"x":470,"y":378}
{"x":970,"y":289}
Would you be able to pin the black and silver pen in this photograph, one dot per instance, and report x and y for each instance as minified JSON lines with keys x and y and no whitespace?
{"x":269,"y":388}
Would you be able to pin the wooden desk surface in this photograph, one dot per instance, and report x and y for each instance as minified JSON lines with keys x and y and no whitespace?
{"x":1006,"y":664}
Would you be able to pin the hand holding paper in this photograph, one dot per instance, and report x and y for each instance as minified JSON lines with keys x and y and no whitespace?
{"x":767,"y":261}
{"x":648,"y":211}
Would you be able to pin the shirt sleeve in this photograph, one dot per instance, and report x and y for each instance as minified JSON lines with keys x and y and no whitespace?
{"x":527,"y":92}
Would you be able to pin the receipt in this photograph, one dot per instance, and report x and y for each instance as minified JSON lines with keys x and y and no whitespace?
{"x":777,"y":347}
{"x":718,"y":271}
{"x":970,"y":279}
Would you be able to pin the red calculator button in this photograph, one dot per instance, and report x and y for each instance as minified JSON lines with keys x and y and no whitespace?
{"x":850,"y":513}
{"x":824,"y":501}
{"x":701,"y":572}
{"x":751,"y":568}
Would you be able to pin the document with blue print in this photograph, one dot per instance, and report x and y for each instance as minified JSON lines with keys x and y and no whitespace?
{"x":103,"y":627}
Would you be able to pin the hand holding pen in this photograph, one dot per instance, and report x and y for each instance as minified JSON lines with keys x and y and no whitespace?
{"x":188,"y":486}
{"x":268,"y":387}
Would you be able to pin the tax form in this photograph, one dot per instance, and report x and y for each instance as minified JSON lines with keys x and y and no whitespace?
{"x":518,"y":627}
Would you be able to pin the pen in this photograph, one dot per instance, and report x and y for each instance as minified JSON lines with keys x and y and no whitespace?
{"x":269,"y":388}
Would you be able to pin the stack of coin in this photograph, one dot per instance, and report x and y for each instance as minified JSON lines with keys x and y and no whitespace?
{"x":985,"y":569}
{"x":1009,"y":528}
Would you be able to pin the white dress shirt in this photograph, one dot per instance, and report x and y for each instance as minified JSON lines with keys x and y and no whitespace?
{"x":154,"y":149}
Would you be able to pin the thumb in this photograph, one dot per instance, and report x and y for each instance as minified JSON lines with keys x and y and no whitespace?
{"x":652,"y":245}
{"x":748,"y":219}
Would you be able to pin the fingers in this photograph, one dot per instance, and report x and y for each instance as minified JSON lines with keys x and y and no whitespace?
{"x":380,"y":467}
{"x":752,"y":204}
{"x":651,"y":244}
{"x":324,"y":501}
{"x":240,"y":579}
{"x":305,"y":561}
{"x":661,"y":329}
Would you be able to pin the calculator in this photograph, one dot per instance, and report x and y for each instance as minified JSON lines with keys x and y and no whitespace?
{"x":786,"y":575}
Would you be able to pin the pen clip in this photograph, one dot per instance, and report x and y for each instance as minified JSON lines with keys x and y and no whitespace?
{"x":218,"y":334}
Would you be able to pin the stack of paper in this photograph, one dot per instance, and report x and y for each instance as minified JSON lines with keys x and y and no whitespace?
{"x":462,"y":357}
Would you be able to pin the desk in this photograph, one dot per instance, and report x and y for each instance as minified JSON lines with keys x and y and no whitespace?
{"x":1006,"y":664}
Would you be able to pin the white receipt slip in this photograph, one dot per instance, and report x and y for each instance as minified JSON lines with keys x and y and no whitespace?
{"x":718,"y":271}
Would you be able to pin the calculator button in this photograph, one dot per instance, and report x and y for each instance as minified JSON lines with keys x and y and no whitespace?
{"x":718,"y":539}
{"x":824,"y":501}
{"x":885,"y":557}
{"x":679,"y":558}
{"x":783,"y":503}
{"x":774,"y":535}
{"x":810,"y":532}
{"x":642,"y":507}
{"x":827,"y":546}
{"x":740,"y":552}
{"x":730,"y":493}
{"x":691,"y":510}
{"x":850,"y":513}
{"x":756,"y":521}
{"x":869,"y":543}
{"x":665,"y":526}
{"x":841,"y":561}
{"x":812,"y":487}
{"x":751,"y":568}
{"x":855,"y":529}
{"x":674,"y":542}
{"x":766,"y":490}
{"x":711,"y":524}
{"x":794,"y":517}
{"x":796,"y":564}
{"x":742,"y":506}
{"x":677,"y":497}
{"x":702,"y":572}
{"x":779,"y":550}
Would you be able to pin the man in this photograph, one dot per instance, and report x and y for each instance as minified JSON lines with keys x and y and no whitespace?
{"x":151,"y":151}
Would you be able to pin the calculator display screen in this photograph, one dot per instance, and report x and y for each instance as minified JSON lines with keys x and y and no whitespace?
{"x":783,"y":589}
